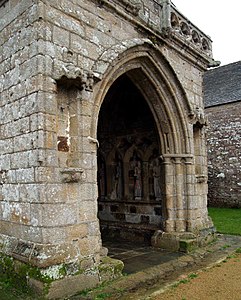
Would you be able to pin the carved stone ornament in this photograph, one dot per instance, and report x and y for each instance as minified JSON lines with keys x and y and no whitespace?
{"x":197,"y":117}
{"x":71,"y":75}
{"x":175,"y":24}
{"x":71,"y":175}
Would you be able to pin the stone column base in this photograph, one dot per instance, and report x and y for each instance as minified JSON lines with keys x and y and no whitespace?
{"x":184,"y":241}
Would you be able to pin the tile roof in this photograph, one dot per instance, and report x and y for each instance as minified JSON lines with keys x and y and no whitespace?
{"x":222,"y":85}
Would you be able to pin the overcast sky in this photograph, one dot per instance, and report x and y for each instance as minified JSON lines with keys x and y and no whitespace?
{"x":221,"y":20}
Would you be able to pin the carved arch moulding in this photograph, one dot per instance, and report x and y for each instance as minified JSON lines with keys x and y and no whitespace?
{"x":141,"y":60}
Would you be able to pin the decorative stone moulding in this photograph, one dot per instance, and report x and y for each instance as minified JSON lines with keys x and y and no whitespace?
{"x":71,"y":175}
{"x":177,"y":158}
{"x":132,"y":6}
{"x":196,"y":37}
{"x":185,"y":30}
{"x":174,"y":23}
{"x":71,"y":75}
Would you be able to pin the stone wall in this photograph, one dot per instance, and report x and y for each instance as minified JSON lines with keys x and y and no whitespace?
{"x":23,"y":139}
{"x":224,"y":151}
{"x":42,"y":220}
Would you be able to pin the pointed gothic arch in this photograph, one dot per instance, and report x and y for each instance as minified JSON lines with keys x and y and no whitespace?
{"x":146,"y":66}
{"x":156,"y":81}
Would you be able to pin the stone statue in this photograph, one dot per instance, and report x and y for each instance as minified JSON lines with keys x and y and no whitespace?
{"x":117,"y":190}
{"x":155,"y":173}
{"x":138,"y":180}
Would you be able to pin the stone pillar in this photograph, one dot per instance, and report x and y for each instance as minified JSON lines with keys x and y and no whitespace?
{"x":179,"y":186}
{"x":87,"y":157}
{"x":185,"y":214}
{"x":190,"y":191}
{"x":169,"y":205}
{"x":180,"y":194}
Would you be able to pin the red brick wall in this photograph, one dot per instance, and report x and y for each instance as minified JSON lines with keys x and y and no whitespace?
{"x":224,"y":155}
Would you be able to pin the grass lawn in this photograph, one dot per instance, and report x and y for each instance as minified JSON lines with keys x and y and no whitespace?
{"x":226,"y":220}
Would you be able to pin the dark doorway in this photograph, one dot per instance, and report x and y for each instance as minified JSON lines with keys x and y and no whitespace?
{"x":130,"y":179}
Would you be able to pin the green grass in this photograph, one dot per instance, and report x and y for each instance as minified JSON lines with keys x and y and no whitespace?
{"x":192,"y":275}
{"x":226,"y":220}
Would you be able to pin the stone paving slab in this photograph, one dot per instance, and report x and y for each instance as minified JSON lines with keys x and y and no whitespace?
{"x":137,"y":257}
{"x":141,"y":283}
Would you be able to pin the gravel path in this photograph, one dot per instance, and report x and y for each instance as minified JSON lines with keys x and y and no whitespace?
{"x":221,"y":282}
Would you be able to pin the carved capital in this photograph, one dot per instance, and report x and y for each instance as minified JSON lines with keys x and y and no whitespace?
{"x":177,"y":158}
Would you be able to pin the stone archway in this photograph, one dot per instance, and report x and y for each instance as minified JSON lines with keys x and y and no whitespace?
{"x":130,"y":176}
{"x":183,"y":208}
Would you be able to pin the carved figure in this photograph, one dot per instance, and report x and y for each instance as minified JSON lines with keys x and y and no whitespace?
{"x":138,"y":180}
{"x":156,"y":171}
{"x":117,"y":190}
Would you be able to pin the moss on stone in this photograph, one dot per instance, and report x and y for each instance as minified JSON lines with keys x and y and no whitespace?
{"x":110,"y":268}
{"x":17,"y":274}
{"x":6,"y":263}
{"x":187,"y":245}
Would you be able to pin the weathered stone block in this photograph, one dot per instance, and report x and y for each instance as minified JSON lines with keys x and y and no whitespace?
{"x":61,"y":37}
{"x":87,"y":192}
{"x":110,"y":269}
{"x":54,"y":214}
{"x":72,"y":284}
{"x":165,"y":241}
{"x":10,"y":192}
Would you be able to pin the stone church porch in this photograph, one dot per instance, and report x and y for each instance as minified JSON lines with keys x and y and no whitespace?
{"x":102,"y":135}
